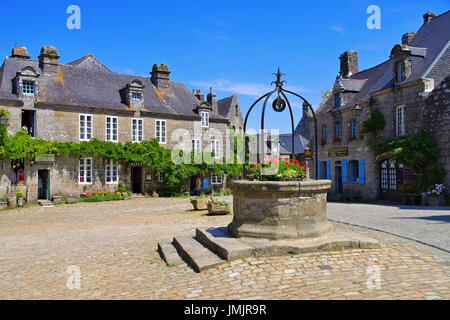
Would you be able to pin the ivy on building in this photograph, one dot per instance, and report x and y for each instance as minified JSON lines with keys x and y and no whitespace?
{"x":147,"y":152}
{"x":372,"y":126}
{"x":418,"y":152}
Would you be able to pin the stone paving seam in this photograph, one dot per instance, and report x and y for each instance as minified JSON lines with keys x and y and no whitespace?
{"x":397,"y":235}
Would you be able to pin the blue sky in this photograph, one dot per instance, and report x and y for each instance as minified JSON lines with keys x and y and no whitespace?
{"x":235,"y":46}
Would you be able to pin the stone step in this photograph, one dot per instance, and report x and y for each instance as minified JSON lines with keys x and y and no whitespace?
{"x":219,"y":241}
{"x":45,"y":203}
{"x":169,"y":253}
{"x":137,"y":195}
{"x":195,"y":254}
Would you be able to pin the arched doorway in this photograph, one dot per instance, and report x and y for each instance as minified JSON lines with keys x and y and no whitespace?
{"x":391,"y":177}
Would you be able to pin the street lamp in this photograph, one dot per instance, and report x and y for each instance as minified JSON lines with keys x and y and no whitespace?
{"x":357,"y":111}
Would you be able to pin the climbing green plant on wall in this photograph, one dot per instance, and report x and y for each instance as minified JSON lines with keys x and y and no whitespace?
{"x":372,"y":126}
{"x":418,"y":152}
{"x":148,"y":152}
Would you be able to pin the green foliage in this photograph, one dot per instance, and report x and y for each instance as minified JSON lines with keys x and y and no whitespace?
{"x":20,"y":194}
{"x":148,"y":152}
{"x":288,"y":170}
{"x":101,"y":196}
{"x":219,"y":202}
{"x":373,"y":125}
{"x":418,"y":152}
{"x":323,"y":94}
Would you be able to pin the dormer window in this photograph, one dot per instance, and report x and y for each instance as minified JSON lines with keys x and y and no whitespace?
{"x":205,"y":119}
{"x":337,"y":101}
{"x":136,"y":96}
{"x":25,"y":83}
{"x":400,"y":71}
{"x":28,"y":88}
{"x":133,"y":94}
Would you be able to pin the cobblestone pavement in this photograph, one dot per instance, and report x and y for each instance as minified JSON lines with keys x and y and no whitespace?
{"x":430,"y":225}
{"x":114,"y":245}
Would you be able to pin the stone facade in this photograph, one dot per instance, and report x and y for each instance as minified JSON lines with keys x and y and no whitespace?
{"x":55,"y":117}
{"x":410,"y":89}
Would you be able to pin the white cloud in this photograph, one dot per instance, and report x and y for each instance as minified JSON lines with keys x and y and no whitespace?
{"x":243,"y":88}
{"x":339,"y":29}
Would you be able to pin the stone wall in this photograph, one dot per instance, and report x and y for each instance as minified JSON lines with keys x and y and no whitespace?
{"x":436,"y":113}
{"x":412,"y":97}
{"x":56,"y":124}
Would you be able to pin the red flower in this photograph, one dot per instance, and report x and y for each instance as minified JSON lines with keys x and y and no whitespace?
{"x":296,"y":161}
{"x":305,"y":166}
{"x":287,"y":164}
{"x":254,"y":167}
{"x":298,"y":168}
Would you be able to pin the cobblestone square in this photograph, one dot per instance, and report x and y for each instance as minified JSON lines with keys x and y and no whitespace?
{"x":114,"y":245}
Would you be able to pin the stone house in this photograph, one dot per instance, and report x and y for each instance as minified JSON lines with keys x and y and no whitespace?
{"x":83,"y":99}
{"x":411,"y":89}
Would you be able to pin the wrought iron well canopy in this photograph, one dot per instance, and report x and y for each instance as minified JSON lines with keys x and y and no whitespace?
{"x":279,"y":105}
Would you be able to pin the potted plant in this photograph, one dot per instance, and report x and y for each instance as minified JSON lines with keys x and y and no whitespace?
{"x":20,"y":195}
{"x":3,"y":203}
{"x":200,"y":202}
{"x":435,"y":195}
{"x":217,"y":207}
{"x":278,"y":202}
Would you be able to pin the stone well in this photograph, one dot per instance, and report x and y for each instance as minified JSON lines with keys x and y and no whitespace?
{"x":280,"y":209}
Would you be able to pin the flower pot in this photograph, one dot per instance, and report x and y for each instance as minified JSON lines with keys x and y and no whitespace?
{"x":3,"y":205}
{"x":216,"y":209}
{"x":20,"y":202}
{"x":155,"y":194}
{"x":200,"y":204}
{"x":280,"y":209}
{"x":436,"y":201}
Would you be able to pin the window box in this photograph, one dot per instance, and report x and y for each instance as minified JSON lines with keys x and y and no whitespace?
{"x":336,"y":140}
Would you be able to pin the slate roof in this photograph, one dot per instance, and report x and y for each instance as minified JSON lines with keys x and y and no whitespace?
{"x":300,"y":143}
{"x":87,"y":82}
{"x":426,"y":47}
{"x":224,"y":106}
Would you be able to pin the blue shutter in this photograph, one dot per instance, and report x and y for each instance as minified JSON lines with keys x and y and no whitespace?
{"x":318,"y":170}
{"x":361,"y":178}
{"x":328,"y":169}
{"x":344,"y":171}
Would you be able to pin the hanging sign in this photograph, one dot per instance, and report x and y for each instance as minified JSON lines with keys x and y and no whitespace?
{"x":338,"y":152}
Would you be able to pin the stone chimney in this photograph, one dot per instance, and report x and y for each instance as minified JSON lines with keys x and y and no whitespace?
{"x":407,"y":37}
{"x":427,"y":17}
{"x":349,"y":63}
{"x":48,"y":60}
{"x":199,"y":95}
{"x":212,"y":100}
{"x":20,"y":53}
{"x":160,"y":77}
